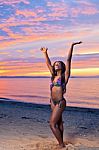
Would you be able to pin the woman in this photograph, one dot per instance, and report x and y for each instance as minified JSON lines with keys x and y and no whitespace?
{"x":60,"y":75}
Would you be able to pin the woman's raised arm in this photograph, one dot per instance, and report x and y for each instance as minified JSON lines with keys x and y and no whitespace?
{"x":68,"y":62}
{"x":48,"y":62}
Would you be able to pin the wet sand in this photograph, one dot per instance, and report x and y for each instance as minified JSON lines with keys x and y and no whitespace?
{"x":25,"y":126}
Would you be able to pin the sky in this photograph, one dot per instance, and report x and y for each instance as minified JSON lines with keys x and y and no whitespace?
{"x":28,"y":25}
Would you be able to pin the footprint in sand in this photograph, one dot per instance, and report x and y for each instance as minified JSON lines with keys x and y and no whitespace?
{"x":3,"y":115}
{"x":70,"y":147}
{"x":26,"y":117}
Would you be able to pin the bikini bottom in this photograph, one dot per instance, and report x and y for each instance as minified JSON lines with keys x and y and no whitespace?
{"x":58,"y":101}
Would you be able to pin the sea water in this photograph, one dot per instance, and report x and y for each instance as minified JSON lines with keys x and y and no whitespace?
{"x":80,"y":92}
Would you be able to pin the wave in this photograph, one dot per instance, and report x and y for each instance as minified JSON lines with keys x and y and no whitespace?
{"x":29,"y":96}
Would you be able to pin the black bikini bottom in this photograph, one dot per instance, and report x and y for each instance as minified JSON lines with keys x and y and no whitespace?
{"x":57,"y":101}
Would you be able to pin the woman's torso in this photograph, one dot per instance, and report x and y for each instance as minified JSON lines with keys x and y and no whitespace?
{"x":57,"y":88}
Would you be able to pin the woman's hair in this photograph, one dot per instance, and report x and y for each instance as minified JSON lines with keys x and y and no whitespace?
{"x":63,"y":68}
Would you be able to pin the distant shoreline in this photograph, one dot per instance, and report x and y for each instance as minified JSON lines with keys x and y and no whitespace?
{"x":47,"y":76}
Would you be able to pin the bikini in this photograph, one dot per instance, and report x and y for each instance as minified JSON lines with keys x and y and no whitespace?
{"x":58,"y":83}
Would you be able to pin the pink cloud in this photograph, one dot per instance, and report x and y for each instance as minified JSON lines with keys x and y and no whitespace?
{"x":86,"y":3}
{"x":28,"y":31}
{"x":58,"y":9}
{"x":88,"y":63}
{"x":24,"y":68}
{"x":20,"y":51}
{"x":40,"y":10}
{"x":11,"y":21}
{"x":26,"y":13}
{"x":21,"y":68}
{"x":86,"y":11}
{"x":48,"y":33}
{"x":1,"y":37}
{"x":4,"y":53}
{"x":90,"y":11}
{"x":36,"y":15}
{"x":12,"y":2}
{"x":11,"y":34}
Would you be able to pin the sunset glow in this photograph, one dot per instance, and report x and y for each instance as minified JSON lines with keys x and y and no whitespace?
{"x":26,"y":26}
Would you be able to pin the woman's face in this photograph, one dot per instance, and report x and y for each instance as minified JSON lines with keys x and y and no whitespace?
{"x":57,"y":65}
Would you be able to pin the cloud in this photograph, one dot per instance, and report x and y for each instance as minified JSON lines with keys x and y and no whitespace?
{"x":58,"y":10}
{"x":27,"y":25}
{"x":26,"y":13}
{"x":61,"y":10}
{"x":20,"y":51}
{"x":86,"y":3}
{"x":37,"y":66}
{"x":1,"y":38}
{"x":4,"y":53}
{"x":83,"y":11}
{"x":85,"y":72}
{"x":12,"y":2}
{"x":16,"y":67}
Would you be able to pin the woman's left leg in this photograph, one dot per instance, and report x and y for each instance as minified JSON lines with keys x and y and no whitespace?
{"x":60,"y":126}
{"x":60,"y":122}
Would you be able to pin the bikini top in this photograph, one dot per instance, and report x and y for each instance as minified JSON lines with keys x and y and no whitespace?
{"x":57,"y":83}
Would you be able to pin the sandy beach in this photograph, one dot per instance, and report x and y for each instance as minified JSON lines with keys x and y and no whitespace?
{"x":25,"y":126}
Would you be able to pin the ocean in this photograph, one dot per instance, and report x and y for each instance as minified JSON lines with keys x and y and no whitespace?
{"x":81,"y":92}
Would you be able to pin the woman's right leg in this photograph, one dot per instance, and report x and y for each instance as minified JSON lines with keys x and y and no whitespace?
{"x":60,"y":126}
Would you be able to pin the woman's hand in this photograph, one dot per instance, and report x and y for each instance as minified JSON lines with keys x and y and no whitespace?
{"x":77,"y":43}
{"x":43,"y":49}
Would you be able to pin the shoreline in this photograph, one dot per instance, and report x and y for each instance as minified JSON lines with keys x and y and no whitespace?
{"x":25,"y":126}
{"x":8,"y":100}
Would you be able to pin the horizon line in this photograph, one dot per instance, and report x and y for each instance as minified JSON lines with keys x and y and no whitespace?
{"x":95,"y":76}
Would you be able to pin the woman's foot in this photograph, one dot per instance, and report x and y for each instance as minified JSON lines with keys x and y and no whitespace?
{"x":62,"y":145}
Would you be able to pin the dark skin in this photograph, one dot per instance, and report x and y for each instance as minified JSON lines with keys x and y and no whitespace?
{"x":56,"y":123}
